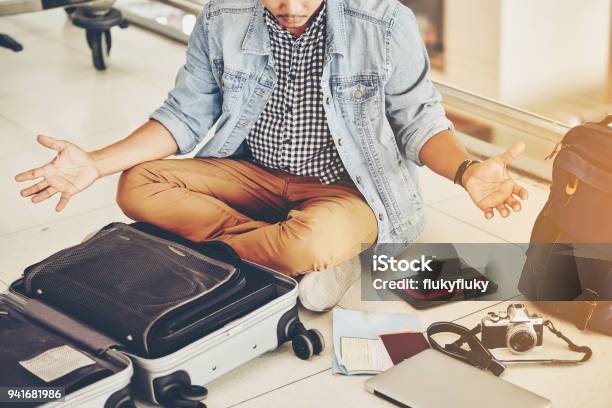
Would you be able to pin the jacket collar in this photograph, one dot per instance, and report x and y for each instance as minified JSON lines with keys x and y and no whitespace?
{"x":257,"y":38}
{"x":336,"y":27}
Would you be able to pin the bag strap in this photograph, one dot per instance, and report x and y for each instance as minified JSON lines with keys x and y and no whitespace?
{"x":478,"y":355}
{"x":606,"y":121}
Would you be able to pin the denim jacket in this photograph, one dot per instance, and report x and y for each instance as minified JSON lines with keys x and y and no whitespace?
{"x":381,"y":106}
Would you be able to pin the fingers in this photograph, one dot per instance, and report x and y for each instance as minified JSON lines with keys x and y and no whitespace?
{"x":40,"y":192}
{"x":514,"y":204}
{"x":503,"y":210}
{"x":30,"y":174}
{"x":503,"y":201}
{"x":43,"y":195}
{"x":520,"y":191}
{"x":46,"y":141}
{"x":26,"y":192}
{"x":52,"y":143}
{"x":512,"y":153}
{"x":63,"y":201}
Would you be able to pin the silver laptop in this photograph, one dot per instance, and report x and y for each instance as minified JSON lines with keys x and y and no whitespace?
{"x":431,"y":379}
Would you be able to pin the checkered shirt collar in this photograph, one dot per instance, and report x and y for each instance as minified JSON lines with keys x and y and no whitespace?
{"x":317,"y":21}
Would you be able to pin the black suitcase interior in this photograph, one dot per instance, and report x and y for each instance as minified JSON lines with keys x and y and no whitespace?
{"x":152,"y":291}
{"x":23,"y":338}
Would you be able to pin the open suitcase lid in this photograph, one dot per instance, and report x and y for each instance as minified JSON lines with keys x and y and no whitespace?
{"x":125,"y":282}
{"x":39,"y":355}
{"x":149,"y":290}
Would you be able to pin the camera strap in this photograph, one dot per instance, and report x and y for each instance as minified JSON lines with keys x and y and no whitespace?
{"x":479,"y":356}
{"x":571,"y":345}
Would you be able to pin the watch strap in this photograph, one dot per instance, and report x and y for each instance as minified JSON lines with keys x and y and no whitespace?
{"x":461,"y":170}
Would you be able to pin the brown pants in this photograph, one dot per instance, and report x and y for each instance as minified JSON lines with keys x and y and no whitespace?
{"x":292,"y":224}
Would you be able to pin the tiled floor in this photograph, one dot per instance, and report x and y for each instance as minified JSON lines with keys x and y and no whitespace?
{"x":51,"y":88}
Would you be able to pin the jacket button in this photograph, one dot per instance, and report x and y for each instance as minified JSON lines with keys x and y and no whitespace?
{"x":224,"y":151}
{"x":358,"y":178}
{"x":259,"y":92}
{"x":381,"y":216}
{"x":340,"y":142}
{"x":243,"y":122}
{"x":328,"y":101}
{"x":358,"y":94}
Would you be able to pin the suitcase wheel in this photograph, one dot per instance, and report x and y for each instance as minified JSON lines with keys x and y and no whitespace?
{"x":185,"y":404}
{"x":193,"y":393}
{"x":175,"y":395}
{"x":317,"y":339}
{"x":305,"y":343}
{"x":303,"y":346}
{"x":120,"y":399}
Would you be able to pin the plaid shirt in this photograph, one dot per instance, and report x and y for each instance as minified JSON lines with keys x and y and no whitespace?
{"x":292,"y":132}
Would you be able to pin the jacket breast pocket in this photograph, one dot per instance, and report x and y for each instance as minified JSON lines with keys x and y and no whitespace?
{"x":358,"y":96}
{"x":232,"y":83}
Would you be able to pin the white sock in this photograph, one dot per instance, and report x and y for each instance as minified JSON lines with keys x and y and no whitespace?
{"x":321,"y":291}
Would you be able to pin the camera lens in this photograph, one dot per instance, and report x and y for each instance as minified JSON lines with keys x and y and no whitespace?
{"x":521,"y":338}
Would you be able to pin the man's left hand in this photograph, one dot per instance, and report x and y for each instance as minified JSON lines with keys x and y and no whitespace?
{"x":490,"y":186}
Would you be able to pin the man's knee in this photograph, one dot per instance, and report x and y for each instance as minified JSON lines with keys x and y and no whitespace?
{"x":129,"y":195}
{"x":304,"y":256}
{"x":305,"y":246}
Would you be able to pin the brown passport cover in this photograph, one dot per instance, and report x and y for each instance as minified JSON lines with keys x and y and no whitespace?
{"x":401,"y":346}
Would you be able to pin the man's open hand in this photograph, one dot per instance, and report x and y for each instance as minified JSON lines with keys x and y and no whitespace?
{"x":490,"y":186}
{"x":70,"y":172}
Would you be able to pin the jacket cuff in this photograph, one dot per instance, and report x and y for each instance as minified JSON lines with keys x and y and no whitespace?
{"x":179,"y":131}
{"x":422,"y":136}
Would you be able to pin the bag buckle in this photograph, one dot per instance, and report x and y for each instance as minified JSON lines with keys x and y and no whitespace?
{"x":570,"y":190}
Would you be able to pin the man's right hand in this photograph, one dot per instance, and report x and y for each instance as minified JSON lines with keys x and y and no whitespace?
{"x":70,"y":172}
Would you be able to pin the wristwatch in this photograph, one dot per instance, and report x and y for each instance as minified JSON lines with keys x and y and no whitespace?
{"x":461,"y":170}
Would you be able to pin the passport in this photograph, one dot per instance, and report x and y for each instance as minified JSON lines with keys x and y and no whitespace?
{"x":401,"y":346}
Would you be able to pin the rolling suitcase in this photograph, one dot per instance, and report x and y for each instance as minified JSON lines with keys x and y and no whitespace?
{"x":87,"y":378}
{"x":184,"y":313}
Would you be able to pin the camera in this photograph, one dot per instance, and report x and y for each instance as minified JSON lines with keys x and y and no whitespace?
{"x":514,"y":329}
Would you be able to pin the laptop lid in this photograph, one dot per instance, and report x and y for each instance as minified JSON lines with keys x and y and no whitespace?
{"x":431,"y":379}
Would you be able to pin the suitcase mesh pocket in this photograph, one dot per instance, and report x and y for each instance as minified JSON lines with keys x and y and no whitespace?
{"x":121,"y":281}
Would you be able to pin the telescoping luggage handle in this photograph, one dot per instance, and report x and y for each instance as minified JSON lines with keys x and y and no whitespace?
{"x":78,"y":332}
